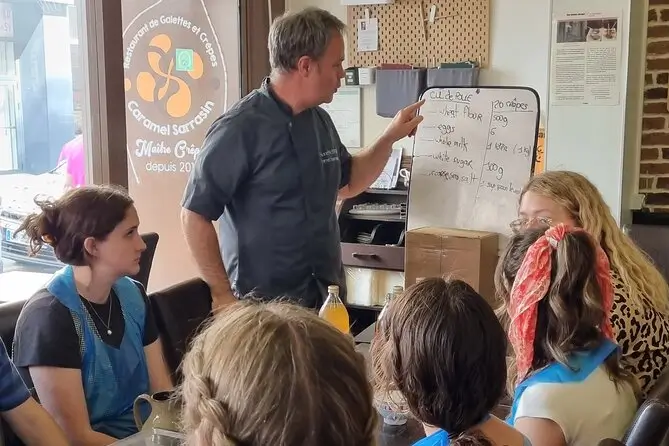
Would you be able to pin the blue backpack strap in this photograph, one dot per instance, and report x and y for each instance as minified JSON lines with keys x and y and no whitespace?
{"x":132,"y":301}
{"x":63,"y":288}
{"x":581,"y":365}
{"x":108,"y":405}
{"x":439,"y":438}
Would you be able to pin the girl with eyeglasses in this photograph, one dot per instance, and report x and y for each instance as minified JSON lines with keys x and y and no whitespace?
{"x":569,"y":386}
{"x":640,"y":311}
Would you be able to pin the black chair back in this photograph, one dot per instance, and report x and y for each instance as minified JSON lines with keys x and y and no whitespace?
{"x":180,"y":311}
{"x":660,"y":390}
{"x":9,"y":314}
{"x":610,"y":442}
{"x":650,"y":426}
{"x":654,"y":242}
{"x":146,"y":261}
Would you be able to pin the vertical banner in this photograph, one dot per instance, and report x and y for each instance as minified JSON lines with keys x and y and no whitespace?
{"x":181,"y":64}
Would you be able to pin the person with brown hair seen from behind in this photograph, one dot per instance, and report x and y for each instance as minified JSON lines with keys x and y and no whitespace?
{"x":640,"y":313}
{"x":88,"y":340}
{"x":442,"y":347}
{"x":570,"y":389}
{"x":275,"y":374}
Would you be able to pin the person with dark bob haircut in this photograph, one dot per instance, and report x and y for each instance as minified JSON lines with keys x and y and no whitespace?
{"x":88,"y":341}
{"x":442,"y":347}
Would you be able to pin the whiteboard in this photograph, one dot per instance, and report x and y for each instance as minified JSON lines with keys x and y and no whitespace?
{"x":473,"y":153}
{"x":345,"y":111}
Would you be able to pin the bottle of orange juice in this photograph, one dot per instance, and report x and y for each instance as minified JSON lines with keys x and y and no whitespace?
{"x":334,"y":311}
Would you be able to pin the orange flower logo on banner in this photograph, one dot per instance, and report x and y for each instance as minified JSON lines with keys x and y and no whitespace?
{"x":175,"y":85}
{"x":154,"y":86}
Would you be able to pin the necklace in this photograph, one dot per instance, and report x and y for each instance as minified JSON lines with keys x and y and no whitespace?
{"x":108,"y":324}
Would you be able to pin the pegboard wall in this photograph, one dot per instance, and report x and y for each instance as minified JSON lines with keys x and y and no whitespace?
{"x":460,"y":32}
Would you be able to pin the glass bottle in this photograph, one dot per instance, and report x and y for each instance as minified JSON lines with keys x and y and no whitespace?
{"x":334,"y":311}
{"x":397,"y":291}
{"x":377,"y":325}
{"x":392,"y":406}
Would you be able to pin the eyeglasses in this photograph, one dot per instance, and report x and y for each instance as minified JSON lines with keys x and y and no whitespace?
{"x":521,"y":224}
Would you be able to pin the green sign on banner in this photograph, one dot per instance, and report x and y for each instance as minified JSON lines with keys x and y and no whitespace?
{"x":184,"y":59}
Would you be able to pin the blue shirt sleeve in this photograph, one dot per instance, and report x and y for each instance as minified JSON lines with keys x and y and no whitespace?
{"x":438,"y":438}
{"x":13,"y":391}
{"x":219,"y":170}
{"x":346,"y":163}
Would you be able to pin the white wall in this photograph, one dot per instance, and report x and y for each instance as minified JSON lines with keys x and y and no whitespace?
{"x":589,"y":140}
{"x":602,"y":142}
{"x":519,"y":39}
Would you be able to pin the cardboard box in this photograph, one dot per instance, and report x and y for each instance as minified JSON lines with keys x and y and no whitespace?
{"x":453,"y":253}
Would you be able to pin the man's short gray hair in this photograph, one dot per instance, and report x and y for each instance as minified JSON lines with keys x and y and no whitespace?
{"x":298,"y":34}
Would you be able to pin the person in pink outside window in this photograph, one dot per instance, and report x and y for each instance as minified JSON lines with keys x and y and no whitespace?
{"x":73,"y":153}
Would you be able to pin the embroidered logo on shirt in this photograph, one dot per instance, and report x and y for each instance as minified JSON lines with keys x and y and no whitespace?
{"x":329,"y":156}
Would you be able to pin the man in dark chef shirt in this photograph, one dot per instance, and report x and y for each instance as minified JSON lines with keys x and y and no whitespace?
{"x":273,"y":166}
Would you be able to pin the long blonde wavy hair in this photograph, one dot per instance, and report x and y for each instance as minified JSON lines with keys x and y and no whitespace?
{"x":275,"y":374}
{"x":575,"y":193}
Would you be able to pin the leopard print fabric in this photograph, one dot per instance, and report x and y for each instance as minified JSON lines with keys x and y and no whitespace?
{"x":643,"y":336}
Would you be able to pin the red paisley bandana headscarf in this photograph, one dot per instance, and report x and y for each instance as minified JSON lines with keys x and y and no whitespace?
{"x":531,"y":285}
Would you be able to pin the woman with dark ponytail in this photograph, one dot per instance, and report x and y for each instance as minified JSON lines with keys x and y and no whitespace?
{"x":570,"y":389}
{"x":442,"y":347}
{"x":87,"y":340}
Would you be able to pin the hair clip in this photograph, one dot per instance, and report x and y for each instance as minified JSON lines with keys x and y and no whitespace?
{"x":552,"y":241}
{"x":48,"y":239}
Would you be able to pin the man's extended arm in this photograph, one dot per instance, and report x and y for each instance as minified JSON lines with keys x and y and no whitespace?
{"x":367,"y":165}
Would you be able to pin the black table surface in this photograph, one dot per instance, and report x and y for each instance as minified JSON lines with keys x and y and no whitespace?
{"x":405,"y":435}
{"x":366,"y":335}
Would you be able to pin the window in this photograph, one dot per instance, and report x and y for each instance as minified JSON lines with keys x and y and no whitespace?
{"x":42,"y":126}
